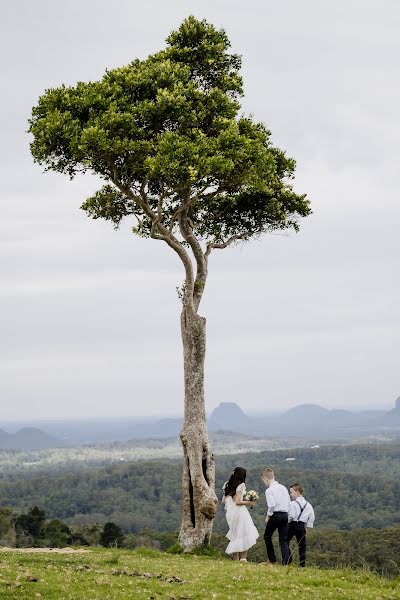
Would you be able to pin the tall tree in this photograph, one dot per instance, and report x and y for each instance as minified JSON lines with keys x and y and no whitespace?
{"x":57,"y":533}
{"x":166,"y":136}
{"x":30,"y":525}
{"x":112,"y":535}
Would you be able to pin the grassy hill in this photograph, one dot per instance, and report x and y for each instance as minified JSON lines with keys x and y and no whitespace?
{"x":120,"y":575}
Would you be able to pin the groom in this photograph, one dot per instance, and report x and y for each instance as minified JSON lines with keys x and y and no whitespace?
{"x":278,"y":502}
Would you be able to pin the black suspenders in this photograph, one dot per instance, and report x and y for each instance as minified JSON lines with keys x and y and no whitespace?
{"x":301,"y":510}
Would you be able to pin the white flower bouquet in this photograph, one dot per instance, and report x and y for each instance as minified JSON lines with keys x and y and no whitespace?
{"x":252,"y":495}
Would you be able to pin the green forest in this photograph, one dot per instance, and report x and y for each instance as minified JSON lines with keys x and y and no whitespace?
{"x":350,"y":487}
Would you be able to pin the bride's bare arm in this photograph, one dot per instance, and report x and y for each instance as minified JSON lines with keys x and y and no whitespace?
{"x":240,"y":502}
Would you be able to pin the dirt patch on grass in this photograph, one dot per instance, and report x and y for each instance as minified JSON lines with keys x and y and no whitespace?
{"x":52,"y":550}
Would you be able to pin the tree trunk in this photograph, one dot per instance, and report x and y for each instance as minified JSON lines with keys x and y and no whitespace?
{"x":198,"y":481}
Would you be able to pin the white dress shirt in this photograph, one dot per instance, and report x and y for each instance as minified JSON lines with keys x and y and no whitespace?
{"x":307,"y":516}
{"x":277,"y":497}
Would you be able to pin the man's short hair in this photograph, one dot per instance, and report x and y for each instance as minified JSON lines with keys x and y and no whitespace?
{"x":297,"y":487}
{"x":268,"y":473}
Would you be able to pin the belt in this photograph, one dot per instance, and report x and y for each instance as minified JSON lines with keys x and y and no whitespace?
{"x":280,"y":512}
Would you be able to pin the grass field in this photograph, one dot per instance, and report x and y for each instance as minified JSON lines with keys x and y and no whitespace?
{"x":120,"y":574}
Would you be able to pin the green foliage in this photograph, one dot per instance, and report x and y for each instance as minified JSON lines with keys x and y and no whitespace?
{"x":129,"y":541}
{"x":205,"y":550}
{"x":376,"y":550}
{"x":8,"y":519}
{"x":57,"y":534}
{"x":175,"y":549}
{"x":156,"y":540}
{"x":86,"y":535}
{"x":165,"y":129}
{"x":112,"y":535}
{"x":30,"y":527}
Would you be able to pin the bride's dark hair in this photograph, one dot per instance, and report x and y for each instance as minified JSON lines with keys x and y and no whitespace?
{"x":238,"y":476}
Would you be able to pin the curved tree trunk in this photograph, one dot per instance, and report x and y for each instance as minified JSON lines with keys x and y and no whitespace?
{"x":198,"y":482}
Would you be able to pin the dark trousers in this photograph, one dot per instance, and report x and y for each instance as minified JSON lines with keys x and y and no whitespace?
{"x":278,"y":521}
{"x":298,"y":531}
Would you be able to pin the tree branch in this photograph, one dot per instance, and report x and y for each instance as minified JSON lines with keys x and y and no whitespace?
{"x":187,"y":204}
{"x":211,"y":195}
{"x":222,"y":245}
{"x":164,"y":235}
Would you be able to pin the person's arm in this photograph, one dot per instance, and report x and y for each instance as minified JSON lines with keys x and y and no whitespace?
{"x":311,"y":518}
{"x":293,"y":511}
{"x":239,"y":501}
{"x":270,"y":504}
{"x":288,"y":499}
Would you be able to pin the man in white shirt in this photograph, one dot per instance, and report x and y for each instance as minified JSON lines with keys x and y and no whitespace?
{"x":278,"y":502}
{"x":301,"y":516}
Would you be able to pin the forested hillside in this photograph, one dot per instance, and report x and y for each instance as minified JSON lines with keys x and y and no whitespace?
{"x":30,"y":463}
{"x":350,"y":487}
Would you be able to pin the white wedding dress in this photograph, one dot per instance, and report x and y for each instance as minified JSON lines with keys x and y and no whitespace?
{"x":242,"y":533}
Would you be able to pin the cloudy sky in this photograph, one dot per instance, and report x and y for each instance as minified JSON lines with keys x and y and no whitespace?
{"x":89,"y":316}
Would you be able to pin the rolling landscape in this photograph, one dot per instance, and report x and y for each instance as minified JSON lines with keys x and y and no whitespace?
{"x":352,"y":481}
{"x":352,"y":551}
{"x":80,"y":477}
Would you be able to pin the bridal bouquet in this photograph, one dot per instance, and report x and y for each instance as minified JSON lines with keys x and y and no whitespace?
{"x":252,"y":495}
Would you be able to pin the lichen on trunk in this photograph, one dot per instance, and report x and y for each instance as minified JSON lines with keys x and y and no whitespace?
{"x":198,"y":481}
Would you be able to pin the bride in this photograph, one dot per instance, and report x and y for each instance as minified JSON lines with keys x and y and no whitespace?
{"x":242,"y":533}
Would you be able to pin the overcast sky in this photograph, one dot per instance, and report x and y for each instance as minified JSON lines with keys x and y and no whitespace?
{"x":89,"y":317}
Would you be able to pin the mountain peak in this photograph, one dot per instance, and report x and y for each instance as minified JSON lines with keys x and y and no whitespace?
{"x":227,"y":415}
{"x":27,"y":438}
{"x":307,"y":410}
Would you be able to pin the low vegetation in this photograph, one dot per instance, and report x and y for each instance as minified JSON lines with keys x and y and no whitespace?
{"x":374,"y":549}
{"x":147,"y":574}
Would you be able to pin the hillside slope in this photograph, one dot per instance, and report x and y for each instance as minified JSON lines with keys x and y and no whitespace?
{"x":121,"y":575}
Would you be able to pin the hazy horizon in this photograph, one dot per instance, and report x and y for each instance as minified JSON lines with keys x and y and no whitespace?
{"x":147,"y":417}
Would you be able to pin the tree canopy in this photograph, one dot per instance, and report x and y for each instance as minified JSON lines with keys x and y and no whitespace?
{"x":167,"y":136}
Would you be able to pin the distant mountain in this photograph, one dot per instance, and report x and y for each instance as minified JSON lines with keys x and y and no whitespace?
{"x":28,"y":438}
{"x":227,"y":416}
{"x":305,"y":411}
{"x":396,"y":409}
{"x":301,"y":421}
{"x":314,"y":416}
{"x":392,"y":417}
{"x":306,"y":420}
